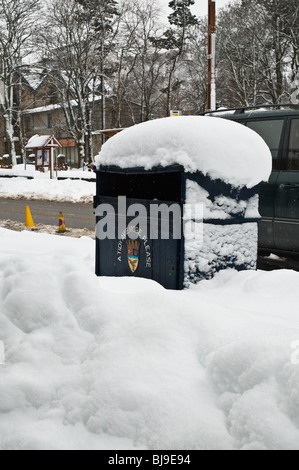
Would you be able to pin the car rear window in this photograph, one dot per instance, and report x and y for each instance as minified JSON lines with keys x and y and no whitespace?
{"x":293,"y":156}
{"x":270,"y":131}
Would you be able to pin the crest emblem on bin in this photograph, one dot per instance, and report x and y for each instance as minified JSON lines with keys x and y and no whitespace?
{"x":133,"y":252}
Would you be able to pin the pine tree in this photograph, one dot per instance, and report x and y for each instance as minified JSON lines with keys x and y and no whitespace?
{"x":181,"y":15}
{"x":180,"y":19}
{"x":174,"y":40}
{"x":100,"y":13}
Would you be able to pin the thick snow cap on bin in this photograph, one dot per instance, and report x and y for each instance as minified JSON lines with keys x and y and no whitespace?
{"x":214,"y":146}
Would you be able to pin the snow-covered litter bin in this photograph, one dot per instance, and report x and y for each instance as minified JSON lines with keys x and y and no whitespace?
{"x":195,"y":181}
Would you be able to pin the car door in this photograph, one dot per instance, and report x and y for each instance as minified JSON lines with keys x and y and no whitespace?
{"x":286,"y":225}
{"x":272,"y":131}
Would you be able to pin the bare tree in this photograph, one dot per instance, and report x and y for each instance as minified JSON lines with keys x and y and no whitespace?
{"x":17,"y":23}
{"x":140,"y":64}
{"x":258,"y":54}
{"x":282,"y":64}
{"x":122,"y":63}
{"x":193,"y":66}
{"x":149,"y":70}
{"x":78,"y":41}
{"x":240,"y":51}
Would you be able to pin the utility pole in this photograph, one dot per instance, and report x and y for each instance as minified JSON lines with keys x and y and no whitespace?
{"x":211,"y":102}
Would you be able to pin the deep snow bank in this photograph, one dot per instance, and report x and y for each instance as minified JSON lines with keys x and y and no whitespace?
{"x":122,"y":363}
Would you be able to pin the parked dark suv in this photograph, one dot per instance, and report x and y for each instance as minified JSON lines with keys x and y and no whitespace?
{"x":279,"y":198}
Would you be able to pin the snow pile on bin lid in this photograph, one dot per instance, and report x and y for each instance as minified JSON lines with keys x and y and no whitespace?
{"x":214,"y":146}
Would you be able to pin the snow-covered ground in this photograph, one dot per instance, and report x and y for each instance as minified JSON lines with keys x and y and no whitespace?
{"x":50,"y":229}
{"x":19,"y":170}
{"x":42,"y":188}
{"x":97,"y":363}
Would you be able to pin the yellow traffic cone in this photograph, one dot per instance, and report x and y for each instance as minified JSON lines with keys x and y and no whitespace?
{"x":62,"y":227}
{"x":29,"y":220}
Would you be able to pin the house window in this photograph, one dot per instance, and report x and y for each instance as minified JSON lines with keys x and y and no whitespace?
{"x":113,"y":116}
{"x":49,"y":121}
{"x":28,"y":124}
{"x":271,"y":131}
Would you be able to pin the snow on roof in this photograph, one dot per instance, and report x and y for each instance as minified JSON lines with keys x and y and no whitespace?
{"x":103,"y":131}
{"x":39,"y":141}
{"x":52,"y":107}
{"x":34,"y":78}
{"x":42,"y":109}
{"x":217,"y":147}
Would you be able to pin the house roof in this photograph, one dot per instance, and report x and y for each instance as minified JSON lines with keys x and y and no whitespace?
{"x":34,"y":78}
{"x":52,"y":107}
{"x":108,"y":132}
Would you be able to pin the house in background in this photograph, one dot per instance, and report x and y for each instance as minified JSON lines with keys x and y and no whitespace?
{"x":43,"y":115}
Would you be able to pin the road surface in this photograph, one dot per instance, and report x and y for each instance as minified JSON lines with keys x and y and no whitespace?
{"x":77,"y":216}
{"x":271,"y":264}
{"x":80,"y":216}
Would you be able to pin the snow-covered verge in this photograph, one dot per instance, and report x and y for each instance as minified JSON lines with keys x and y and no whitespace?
{"x":19,"y":170}
{"x":97,"y":363}
{"x":46,"y":189}
{"x":50,"y":229}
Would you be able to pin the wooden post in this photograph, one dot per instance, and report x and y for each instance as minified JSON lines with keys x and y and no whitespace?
{"x":211,"y":102}
{"x":51,"y":163}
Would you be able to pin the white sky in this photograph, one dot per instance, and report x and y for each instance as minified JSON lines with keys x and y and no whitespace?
{"x":200,"y":8}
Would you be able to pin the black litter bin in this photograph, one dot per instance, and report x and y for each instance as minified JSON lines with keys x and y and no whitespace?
{"x":158,"y":259}
{"x":170,"y":224}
